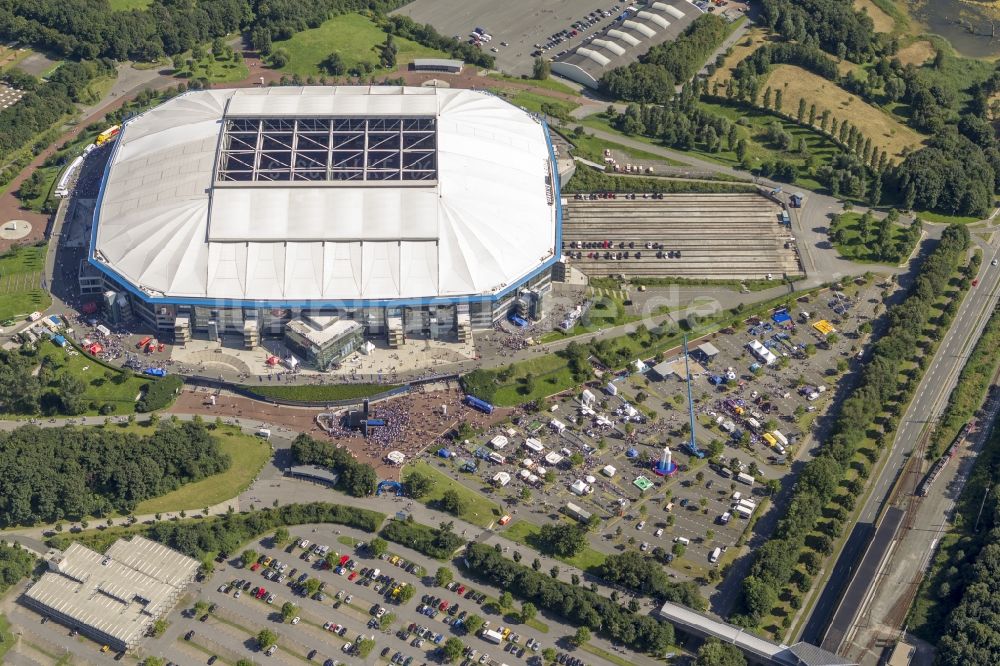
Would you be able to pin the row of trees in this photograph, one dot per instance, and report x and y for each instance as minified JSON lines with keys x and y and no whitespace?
{"x":227,"y":533}
{"x":425,"y":34}
{"x":879,"y":236}
{"x":653,"y":78}
{"x":44,"y":103}
{"x":438,"y":543}
{"x":48,"y":474}
{"x":833,"y":25}
{"x":15,"y":564}
{"x":576,"y":605}
{"x":775,"y":562}
{"x":645,"y":576}
{"x":356,"y":478}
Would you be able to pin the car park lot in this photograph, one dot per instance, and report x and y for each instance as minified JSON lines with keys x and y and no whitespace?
{"x":343,"y":612}
{"x":737,"y":400}
{"x":522,"y":25}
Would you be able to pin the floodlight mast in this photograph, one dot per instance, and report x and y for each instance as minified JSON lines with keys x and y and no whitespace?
{"x":693,"y":443}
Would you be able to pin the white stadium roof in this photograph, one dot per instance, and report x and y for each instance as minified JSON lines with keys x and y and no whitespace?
{"x":328,"y":194}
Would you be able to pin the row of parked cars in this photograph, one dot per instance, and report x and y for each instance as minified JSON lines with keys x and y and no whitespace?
{"x":577,"y":28}
{"x":594,"y":196}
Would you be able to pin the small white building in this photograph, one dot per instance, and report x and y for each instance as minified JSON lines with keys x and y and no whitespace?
{"x":499,"y":442}
{"x":609,"y":471}
{"x":612,"y":389}
{"x":528,"y":463}
{"x":578,"y":487}
{"x":553,"y":458}
{"x":588,"y":398}
{"x":501,"y":479}
{"x":557,"y":425}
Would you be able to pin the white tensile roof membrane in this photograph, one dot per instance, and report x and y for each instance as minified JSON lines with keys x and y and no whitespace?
{"x":173,"y":222}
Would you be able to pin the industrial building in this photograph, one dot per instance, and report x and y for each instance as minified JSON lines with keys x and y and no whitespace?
{"x":428,"y":212}
{"x":113,"y":598}
{"x":624,"y":41}
{"x":438,"y":65}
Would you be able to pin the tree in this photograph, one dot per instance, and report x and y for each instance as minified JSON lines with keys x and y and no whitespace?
{"x":386,"y":621}
{"x":417,"y":485}
{"x":364,"y":647}
{"x":289,"y":611}
{"x":554,"y":571}
{"x":333,"y":64}
{"x":312,"y":586}
{"x":506,"y":600}
{"x":378,"y":547}
{"x":279,"y":58}
{"x":248,"y":557}
{"x":443,"y":576}
{"x":388,"y":54}
{"x":715,"y":653}
{"x":266,"y":638}
{"x":159,"y":627}
{"x":528,"y":611}
{"x":541,"y":69}
{"x":158,"y":661}
{"x":563,"y":539}
{"x":406,"y":593}
{"x":549,"y":654}
{"x":474,"y":623}
{"x":452,"y":650}
{"x":581,"y":637}
{"x":281,"y":536}
{"x":452,"y":502}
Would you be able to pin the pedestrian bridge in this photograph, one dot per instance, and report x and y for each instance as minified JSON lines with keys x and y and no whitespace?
{"x":756,"y":649}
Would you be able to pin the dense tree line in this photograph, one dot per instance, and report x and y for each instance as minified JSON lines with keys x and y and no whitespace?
{"x":86,"y":29}
{"x":45,"y":103}
{"x":226,"y":534}
{"x":654,"y":76}
{"x":159,"y":393}
{"x":15,"y":563}
{"x":753,"y":69}
{"x":833,"y":25}
{"x":647,"y":577}
{"x":438,"y":543}
{"x":48,"y":474}
{"x":587,"y":179}
{"x":775,"y":561}
{"x":956,"y":173}
{"x":577,"y":605}
{"x":424,"y":33}
{"x":356,"y":478}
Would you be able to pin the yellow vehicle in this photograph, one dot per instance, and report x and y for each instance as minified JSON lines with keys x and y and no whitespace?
{"x":394,"y":559}
{"x":769,"y":438}
{"x":267,"y":561}
{"x":506,"y":632}
{"x":105,"y":648}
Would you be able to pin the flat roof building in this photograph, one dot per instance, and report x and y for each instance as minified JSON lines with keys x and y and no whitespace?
{"x":324,"y":340}
{"x":116,"y":597}
{"x":314,"y":473}
{"x":624,"y":41}
{"x":438,"y":65}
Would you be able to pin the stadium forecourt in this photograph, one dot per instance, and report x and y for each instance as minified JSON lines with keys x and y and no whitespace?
{"x":327,"y":214}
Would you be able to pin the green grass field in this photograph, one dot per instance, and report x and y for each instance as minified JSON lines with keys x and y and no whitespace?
{"x":533,"y":102}
{"x":322,"y":392}
{"x":219,"y":70}
{"x":20,"y":282}
{"x":853,"y":248}
{"x":7,"y":637}
{"x":100,"y":390}
{"x":478,"y":510}
{"x":590,"y":147}
{"x":547,"y":84}
{"x":248,"y":454}
{"x":524,"y":532}
{"x":354,"y":37}
{"x":126,"y":5}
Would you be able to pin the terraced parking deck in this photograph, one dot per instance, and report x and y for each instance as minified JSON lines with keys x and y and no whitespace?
{"x":719,"y":236}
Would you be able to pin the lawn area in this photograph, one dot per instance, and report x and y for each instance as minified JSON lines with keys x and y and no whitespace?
{"x":885,"y":131}
{"x":947,"y":219}
{"x":354,"y":37}
{"x":100,"y":389}
{"x":221,"y":69}
{"x":478,"y":509}
{"x":524,"y":532}
{"x":851,"y":246}
{"x":125,"y":5}
{"x":883,"y":22}
{"x":20,"y":282}
{"x":10,"y":57}
{"x":608,"y":310}
{"x":753,"y":39}
{"x":548,"y":84}
{"x":533,"y":101}
{"x":248,"y":454}
{"x":7,"y":637}
{"x":322,"y":392}
{"x":590,"y":147}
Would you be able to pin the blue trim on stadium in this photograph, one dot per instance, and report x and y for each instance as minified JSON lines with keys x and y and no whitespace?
{"x":350,"y":303}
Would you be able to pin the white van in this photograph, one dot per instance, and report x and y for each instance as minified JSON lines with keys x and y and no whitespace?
{"x":682,"y":540}
{"x":264,"y":433}
{"x":713,"y":557}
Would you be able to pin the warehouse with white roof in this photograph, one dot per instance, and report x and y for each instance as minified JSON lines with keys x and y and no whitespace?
{"x":406,"y":210}
{"x":114,"y":598}
{"x":624,"y":41}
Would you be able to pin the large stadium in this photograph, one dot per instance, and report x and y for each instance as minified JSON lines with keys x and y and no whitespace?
{"x":329,"y":213}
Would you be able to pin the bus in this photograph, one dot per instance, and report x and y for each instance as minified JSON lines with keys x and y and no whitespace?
{"x":481,"y":405}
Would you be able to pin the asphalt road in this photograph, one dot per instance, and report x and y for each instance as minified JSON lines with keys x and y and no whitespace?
{"x":925,"y":408}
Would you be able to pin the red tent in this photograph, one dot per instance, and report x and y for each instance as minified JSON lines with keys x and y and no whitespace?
{"x":273,"y":360}
{"x":95,"y":348}
{"x":89,"y":308}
